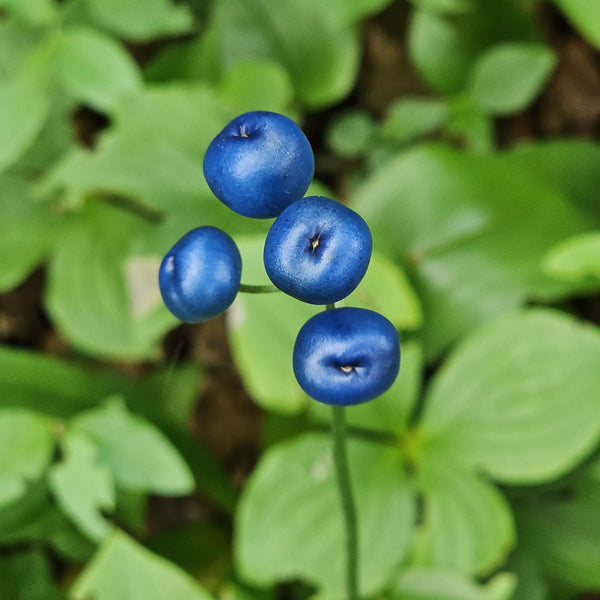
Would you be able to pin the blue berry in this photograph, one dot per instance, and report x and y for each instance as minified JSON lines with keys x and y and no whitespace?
{"x":200,"y":276}
{"x":317,"y":250}
{"x":346,"y":356}
{"x":259,"y":164}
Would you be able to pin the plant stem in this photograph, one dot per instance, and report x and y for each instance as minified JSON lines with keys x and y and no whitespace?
{"x":258,"y":289}
{"x":340,"y":459}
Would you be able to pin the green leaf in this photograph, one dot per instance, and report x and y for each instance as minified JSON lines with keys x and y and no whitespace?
{"x":436,"y":584}
{"x":410,"y":118}
{"x":122,"y":568}
{"x":438,"y":51}
{"x":26,"y":576}
{"x":94,"y":68}
{"x":352,"y":11}
{"x":289,"y":523}
{"x":386,"y":289}
{"x":257,"y":85}
{"x":351,"y":133}
{"x":469,"y":126}
{"x":82,"y":486}
{"x":102,"y":292}
{"x":468,"y":525}
{"x":391,"y":411}
{"x":472,"y":230}
{"x":26,"y":448}
{"x":504,"y":401}
{"x":141,"y":19}
{"x":584,"y":15}
{"x":24,"y":106}
{"x":27,"y":230}
{"x":575,"y":259}
{"x":36,"y":12}
{"x":140,"y":457}
{"x":319,"y":50}
{"x":444,"y":6}
{"x":509,"y":76}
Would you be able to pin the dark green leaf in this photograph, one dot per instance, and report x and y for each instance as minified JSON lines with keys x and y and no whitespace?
{"x":505,"y":400}
{"x":289,"y":523}
{"x":26,"y":576}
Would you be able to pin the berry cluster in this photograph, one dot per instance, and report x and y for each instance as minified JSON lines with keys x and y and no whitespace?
{"x":317,"y":250}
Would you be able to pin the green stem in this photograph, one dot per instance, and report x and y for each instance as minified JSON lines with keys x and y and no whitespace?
{"x":340,"y":459}
{"x":258,"y":289}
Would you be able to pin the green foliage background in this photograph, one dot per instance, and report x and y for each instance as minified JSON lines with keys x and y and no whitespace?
{"x":477,"y":475}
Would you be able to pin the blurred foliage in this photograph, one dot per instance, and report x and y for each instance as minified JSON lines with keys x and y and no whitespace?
{"x":477,"y":474}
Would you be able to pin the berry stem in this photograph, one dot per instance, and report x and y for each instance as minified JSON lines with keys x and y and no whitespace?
{"x":257,"y":289}
{"x":340,"y":459}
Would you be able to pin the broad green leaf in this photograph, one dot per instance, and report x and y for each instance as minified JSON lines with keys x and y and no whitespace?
{"x":438,"y":51}
{"x":141,"y":19}
{"x":83,"y":486}
{"x":562,"y":533}
{"x":289,"y":523}
{"x":472,"y":230}
{"x":575,"y":259}
{"x":391,"y":411}
{"x":122,"y":568}
{"x":509,"y":76}
{"x":36,"y":12}
{"x":102,"y":292}
{"x":468,"y":525}
{"x":352,"y":11}
{"x":26,"y":449}
{"x":94,"y":68}
{"x":17,"y":44}
{"x":444,"y":6}
{"x":26,"y":575}
{"x":440,"y":584}
{"x":386,"y":289}
{"x":27,"y":229}
{"x":571,"y":166}
{"x":412,"y":117}
{"x":24,"y":105}
{"x":257,"y":85}
{"x":469,"y":126}
{"x":505,"y":400}
{"x":584,"y":16}
{"x":351,"y":133}
{"x":139,"y":455}
{"x":319,"y":50}
{"x":531,"y":583}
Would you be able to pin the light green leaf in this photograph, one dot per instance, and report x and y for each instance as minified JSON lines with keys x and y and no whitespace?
{"x":82,"y":486}
{"x":438,"y":51}
{"x":139,"y":455}
{"x":509,"y":76}
{"x":386,"y":289}
{"x":27,"y":230}
{"x":468,"y":525}
{"x":472,"y":230}
{"x":436,"y":584}
{"x":257,"y":85}
{"x":411,"y":117}
{"x":26,"y":448}
{"x":575,"y":259}
{"x":352,"y":11}
{"x":122,"y":568}
{"x":504,"y":402}
{"x":36,"y":12}
{"x":351,"y":133}
{"x":289,"y":523}
{"x":24,"y":106}
{"x":444,"y":6}
{"x":101,"y":292}
{"x":318,"y":49}
{"x":391,"y":411}
{"x":94,"y":68}
{"x":585,"y":17}
{"x":141,"y":19}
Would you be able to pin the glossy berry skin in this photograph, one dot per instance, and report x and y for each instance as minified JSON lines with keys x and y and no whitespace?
{"x":259,"y":164}
{"x":317,"y":250}
{"x":346,"y":356}
{"x":200,"y":276}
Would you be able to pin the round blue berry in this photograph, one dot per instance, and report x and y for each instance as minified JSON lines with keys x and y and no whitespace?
{"x":259,"y":164}
{"x":346,"y":356}
{"x":317,"y":250}
{"x":200,"y":276}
